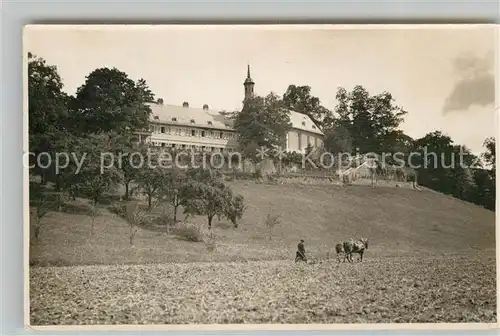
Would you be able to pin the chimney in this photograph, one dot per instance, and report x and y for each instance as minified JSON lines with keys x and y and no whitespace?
{"x":185,"y":104}
{"x":205,"y":107}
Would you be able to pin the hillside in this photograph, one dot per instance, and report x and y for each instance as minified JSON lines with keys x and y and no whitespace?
{"x":397,"y":221}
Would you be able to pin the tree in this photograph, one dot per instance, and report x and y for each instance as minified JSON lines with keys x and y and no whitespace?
{"x":235,"y":209}
{"x":485,"y":188}
{"x":173,"y":190}
{"x":97,"y":175}
{"x":47,"y":109}
{"x":207,"y":195}
{"x":47,"y":103}
{"x":262,"y":123}
{"x":131,"y":156}
{"x":489,"y":154}
{"x":486,"y":179}
{"x":271,"y":222}
{"x":135,"y":218}
{"x":152,"y":180}
{"x":42,"y":204}
{"x":299,"y":99}
{"x":338,"y":139}
{"x":435,"y":151}
{"x":111,"y":101}
{"x":446,"y":167}
{"x":367,"y":119}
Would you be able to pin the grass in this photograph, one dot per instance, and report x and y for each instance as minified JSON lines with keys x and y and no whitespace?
{"x":431,"y":258}
{"x":380,"y":290}
{"x":398,"y":222}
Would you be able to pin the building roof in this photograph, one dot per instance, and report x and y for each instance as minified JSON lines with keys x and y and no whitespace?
{"x":192,"y":116}
{"x":201,"y":117}
{"x":303,"y":122}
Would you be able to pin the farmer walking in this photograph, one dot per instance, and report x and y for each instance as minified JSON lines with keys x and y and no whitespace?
{"x":301,"y":252}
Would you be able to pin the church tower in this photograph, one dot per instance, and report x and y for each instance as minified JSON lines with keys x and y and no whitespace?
{"x":249,"y":84}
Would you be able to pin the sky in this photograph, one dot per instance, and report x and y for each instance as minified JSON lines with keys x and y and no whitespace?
{"x":443,"y":76}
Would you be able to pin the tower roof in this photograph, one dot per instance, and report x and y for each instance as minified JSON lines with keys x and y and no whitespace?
{"x":248,"y":80}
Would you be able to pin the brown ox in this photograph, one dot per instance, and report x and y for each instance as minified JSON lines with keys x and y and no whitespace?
{"x":352,"y":246}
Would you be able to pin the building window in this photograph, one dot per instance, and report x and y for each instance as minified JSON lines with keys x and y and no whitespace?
{"x":183,"y":146}
{"x":210,"y":123}
{"x":163,"y":129}
{"x":203,"y":134}
{"x":221,"y":135}
{"x":303,"y":123}
{"x":193,"y":132}
{"x":314,"y":127}
{"x":192,"y":121}
{"x":174,"y":119}
{"x":173,"y":145}
{"x":163,"y":144}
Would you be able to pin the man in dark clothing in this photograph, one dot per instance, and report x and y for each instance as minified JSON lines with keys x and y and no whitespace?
{"x":301,"y":252}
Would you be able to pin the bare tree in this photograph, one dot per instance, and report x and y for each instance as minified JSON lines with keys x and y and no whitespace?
{"x":271,"y":222}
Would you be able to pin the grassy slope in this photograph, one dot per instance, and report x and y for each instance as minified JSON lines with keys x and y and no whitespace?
{"x":398,"y":221}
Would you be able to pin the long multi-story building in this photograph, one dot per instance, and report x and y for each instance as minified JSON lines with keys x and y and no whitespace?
{"x":202,"y":129}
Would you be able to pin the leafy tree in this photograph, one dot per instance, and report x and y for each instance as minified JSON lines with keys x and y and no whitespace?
{"x":207,"y":195}
{"x":434,"y":153}
{"x":397,"y":142}
{"x":42,"y":203}
{"x":131,"y":157}
{"x":489,"y":154}
{"x":453,"y":169}
{"x":446,"y":167}
{"x":47,"y":108}
{"x":485,"y":190}
{"x":97,"y":175}
{"x":174,"y":191}
{"x":47,"y":103}
{"x":338,"y":139}
{"x":486,"y":179}
{"x":235,"y":209}
{"x":111,"y":101}
{"x":152,"y":180}
{"x":230,"y":115}
{"x":262,"y":123}
{"x":366,"y":119}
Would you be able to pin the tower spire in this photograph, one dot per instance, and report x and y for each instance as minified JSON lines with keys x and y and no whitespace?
{"x":248,"y":84}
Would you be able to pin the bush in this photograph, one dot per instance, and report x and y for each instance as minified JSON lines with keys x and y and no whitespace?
{"x":119,"y":209}
{"x":164,"y":219}
{"x":165,"y":222}
{"x":189,"y":233}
